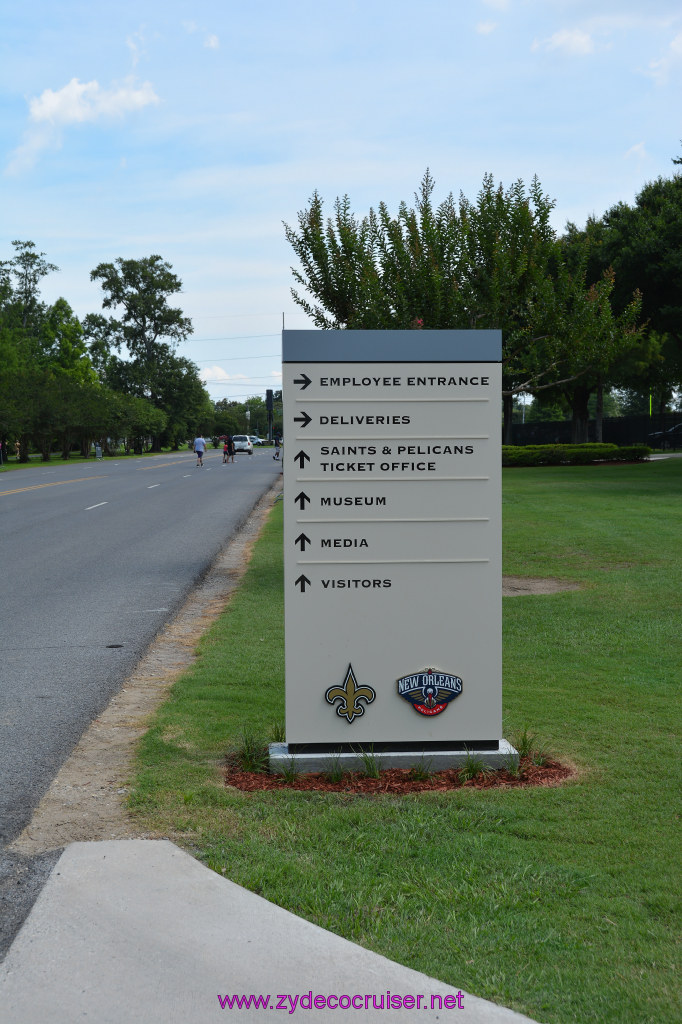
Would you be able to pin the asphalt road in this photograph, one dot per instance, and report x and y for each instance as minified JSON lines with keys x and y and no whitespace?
{"x":95,"y":559}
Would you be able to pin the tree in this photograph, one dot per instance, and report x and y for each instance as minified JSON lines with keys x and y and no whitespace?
{"x":22,"y":317}
{"x":27,"y":267}
{"x":149,"y":330}
{"x":67,"y":389}
{"x":643,"y":244}
{"x":496,"y":263}
{"x":228,"y":417}
{"x":142,"y":287}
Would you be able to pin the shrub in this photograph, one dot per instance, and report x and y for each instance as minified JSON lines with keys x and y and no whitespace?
{"x":570,"y":454}
{"x":633,"y":453}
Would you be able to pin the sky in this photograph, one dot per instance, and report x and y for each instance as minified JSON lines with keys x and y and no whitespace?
{"x":193,"y":131}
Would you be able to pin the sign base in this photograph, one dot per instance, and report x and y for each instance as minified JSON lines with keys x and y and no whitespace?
{"x":281,"y":757}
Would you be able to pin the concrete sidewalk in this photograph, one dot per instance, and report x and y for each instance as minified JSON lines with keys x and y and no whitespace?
{"x":138,"y":931}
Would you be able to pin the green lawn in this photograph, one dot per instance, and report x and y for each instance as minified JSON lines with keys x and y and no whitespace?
{"x":35,"y":462}
{"x":562,"y":903}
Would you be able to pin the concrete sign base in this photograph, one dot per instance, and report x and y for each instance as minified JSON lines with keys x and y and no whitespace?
{"x":282,"y":758}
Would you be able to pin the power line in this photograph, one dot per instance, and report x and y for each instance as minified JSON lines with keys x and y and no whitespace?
{"x":220,"y":316}
{"x":242,"y":382}
{"x":236,"y":359}
{"x":231,"y":337}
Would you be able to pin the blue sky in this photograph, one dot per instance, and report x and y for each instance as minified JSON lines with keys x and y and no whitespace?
{"x":194,"y":130}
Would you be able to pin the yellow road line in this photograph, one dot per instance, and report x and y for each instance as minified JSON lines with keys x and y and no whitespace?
{"x":55,"y":483}
{"x":159,"y":465}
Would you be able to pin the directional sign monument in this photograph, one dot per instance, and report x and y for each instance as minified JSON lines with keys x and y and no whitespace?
{"x":392,"y":545}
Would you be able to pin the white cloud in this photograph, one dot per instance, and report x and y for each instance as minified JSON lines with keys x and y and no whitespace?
{"x":574,"y":42}
{"x":87,"y":101}
{"x":135,"y":43}
{"x":211,"y":40}
{"x":35,"y":141}
{"x":659,"y":69}
{"x":637,"y":151}
{"x":484,"y":28}
{"x":497,"y":5}
{"x":217,"y":375}
{"x":75,"y":103}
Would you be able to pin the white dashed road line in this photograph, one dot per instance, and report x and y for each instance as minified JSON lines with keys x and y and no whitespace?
{"x":98,"y":505}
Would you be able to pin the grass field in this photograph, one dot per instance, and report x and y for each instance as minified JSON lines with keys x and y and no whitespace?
{"x":35,"y":462}
{"x":562,"y":903}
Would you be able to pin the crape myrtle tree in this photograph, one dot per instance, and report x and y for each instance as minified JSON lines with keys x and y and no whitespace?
{"x":148,"y":330}
{"x":496,"y":263}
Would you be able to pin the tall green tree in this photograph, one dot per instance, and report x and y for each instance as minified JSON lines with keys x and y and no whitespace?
{"x":642,"y":242}
{"x":141,"y":289}
{"x":147,"y":331}
{"x":493,"y":263}
{"x":27,"y":268}
{"x":65,"y":384}
{"x":22,"y":317}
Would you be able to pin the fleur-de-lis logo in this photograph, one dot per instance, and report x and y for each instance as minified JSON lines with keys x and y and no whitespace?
{"x":349,"y":696}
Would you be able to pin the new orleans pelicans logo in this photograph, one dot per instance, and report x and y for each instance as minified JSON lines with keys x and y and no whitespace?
{"x":349,"y":696}
{"x":429,"y":692}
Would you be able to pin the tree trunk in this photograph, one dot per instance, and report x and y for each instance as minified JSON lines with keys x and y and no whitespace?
{"x":507,"y":413}
{"x":599,"y":419}
{"x":23,"y":448}
{"x":580,"y":418}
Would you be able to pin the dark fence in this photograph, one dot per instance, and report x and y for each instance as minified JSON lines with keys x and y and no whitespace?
{"x":620,"y":430}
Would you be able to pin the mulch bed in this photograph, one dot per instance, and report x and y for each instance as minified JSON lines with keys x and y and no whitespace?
{"x":399,"y":780}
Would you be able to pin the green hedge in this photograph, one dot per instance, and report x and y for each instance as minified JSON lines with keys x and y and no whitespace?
{"x":571,"y":454}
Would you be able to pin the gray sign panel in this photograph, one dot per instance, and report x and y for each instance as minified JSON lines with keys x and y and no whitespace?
{"x":392,"y":536}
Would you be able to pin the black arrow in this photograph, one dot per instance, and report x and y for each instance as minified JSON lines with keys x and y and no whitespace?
{"x":304,"y":380}
{"x":304,"y":418}
{"x":301,"y":582}
{"x":302,"y":458}
{"x":302,"y":540}
{"x":301,"y":498}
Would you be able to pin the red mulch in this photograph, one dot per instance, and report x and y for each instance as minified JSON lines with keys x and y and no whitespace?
{"x":399,"y":780}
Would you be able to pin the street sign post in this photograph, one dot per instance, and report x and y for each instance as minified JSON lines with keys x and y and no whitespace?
{"x":392,"y":545}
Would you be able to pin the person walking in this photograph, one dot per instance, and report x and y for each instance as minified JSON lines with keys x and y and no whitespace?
{"x":278,"y":445}
{"x":230,"y":448}
{"x":225,"y":451}
{"x":199,"y":449}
